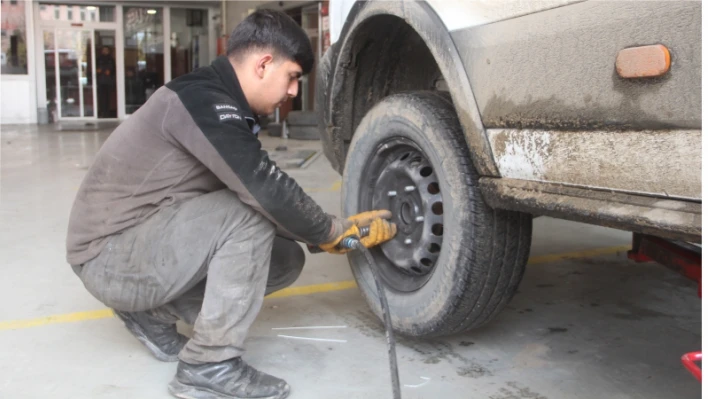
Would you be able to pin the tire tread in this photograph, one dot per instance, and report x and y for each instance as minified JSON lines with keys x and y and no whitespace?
{"x":491,"y":267}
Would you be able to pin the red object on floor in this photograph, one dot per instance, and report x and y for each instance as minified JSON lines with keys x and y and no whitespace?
{"x":689,"y":361}
{"x":684,"y":258}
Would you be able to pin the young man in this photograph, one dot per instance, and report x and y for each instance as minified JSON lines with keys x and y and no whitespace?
{"x":182,"y":191}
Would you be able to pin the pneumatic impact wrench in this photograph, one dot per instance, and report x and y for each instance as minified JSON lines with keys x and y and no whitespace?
{"x":352,"y":242}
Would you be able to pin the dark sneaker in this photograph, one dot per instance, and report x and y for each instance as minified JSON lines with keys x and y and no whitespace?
{"x":161,"y":338}
{"x":230,"y":379}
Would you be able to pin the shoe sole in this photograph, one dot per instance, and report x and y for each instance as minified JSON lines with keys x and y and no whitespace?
{"x":138,"y":333}
{"x":185,"y":391}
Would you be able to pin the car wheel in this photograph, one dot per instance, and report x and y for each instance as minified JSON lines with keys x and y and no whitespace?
{"x":455,"y":261}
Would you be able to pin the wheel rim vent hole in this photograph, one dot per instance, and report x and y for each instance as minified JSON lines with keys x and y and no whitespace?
{"x":416,"y":269}
{"x":426,"y":171}
{"x":438,"y":208}
{"x":437,"y":229}
{"x":426,"y":262}
{"x":434,"y":248}
{"x":433,"y":188}
{"x":403,"y":158}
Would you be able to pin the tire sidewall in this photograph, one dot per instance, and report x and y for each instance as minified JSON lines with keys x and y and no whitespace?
{"x":408,"y":117}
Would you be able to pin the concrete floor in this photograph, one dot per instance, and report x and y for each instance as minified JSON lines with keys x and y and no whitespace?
{"x":587,"y":324}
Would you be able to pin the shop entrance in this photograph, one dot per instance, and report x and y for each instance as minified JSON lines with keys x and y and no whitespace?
{"x":102,"y":62}
{"x":80,"y":73}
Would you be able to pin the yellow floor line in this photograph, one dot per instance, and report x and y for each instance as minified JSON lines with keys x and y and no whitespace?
{"x":287,"y":292}
{"x":333,"y":188}
{"x":313,"y":289}
{"x":61,"y":318}
{"x":535,"y":260}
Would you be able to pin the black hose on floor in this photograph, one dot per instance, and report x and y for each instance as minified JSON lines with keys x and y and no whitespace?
{"x":393,"y":362}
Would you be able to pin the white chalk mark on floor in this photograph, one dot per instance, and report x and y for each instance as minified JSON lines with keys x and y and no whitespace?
{"x":308,"y":328}
{"x":313,"y":339}
{"x":425,"y":379}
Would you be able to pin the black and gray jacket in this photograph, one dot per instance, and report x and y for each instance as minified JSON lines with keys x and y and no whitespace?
{"x":195,"y":135}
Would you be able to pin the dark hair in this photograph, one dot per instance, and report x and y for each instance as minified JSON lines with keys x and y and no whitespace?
{"x":271,"y":29}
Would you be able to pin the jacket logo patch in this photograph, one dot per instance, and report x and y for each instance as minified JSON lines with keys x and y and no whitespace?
{"x":229,"y":117}
{"x":224,"y":107}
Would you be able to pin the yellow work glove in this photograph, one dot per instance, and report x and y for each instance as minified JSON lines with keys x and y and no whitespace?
{"x":365,"y":218}
{"x":380,"y":231}
{"x":331,"y":246}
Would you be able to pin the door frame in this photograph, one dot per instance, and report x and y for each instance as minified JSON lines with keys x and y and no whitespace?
{"x":117,"y":26}
{"x":40,"y":26}
{"x":94,"y":91}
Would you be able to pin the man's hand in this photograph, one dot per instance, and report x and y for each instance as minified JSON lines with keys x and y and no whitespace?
{"x":331,"y":246}
{"x":380,"y":230}
{"x":366,"y":218}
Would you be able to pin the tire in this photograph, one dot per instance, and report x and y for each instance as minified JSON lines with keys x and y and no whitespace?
{"x":303,"y":132}
{"x":274,"y":129}
{"x":302,"y":118}
{"x":481,"y":252}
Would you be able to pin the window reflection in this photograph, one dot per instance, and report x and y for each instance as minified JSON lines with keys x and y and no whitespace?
{"x":77,"y":13}
{"x":14,"y":38}
{"x":106,"y":74}
{"x":144,"y":55}
{"x":50,"y":57}
{"x":189,"y":40}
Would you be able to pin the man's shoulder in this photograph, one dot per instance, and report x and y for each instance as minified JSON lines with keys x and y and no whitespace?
{"x":202,"y":79}
{"x":203,"y":87}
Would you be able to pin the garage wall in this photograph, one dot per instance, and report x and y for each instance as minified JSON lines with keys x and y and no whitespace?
{"x":237,"y":11}
{"x":18,"y":100}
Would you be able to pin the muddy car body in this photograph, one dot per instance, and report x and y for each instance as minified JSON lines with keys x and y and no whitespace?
{"x":467,"y":119}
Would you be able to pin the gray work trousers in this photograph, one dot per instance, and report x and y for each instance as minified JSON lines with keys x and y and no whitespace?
{"x":209,"y":261}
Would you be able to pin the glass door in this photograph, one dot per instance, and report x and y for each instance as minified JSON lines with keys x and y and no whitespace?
{"x":50,"y":67}
{"x":80,"y":73}
{"x":78,"y":45}
{"x":189,"y":40}
{"x":69,"y":62}
{"x":144,"y":54}
{"x":106,"y":73}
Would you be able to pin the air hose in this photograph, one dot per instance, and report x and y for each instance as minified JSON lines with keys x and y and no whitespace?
{"x":354,"y":243}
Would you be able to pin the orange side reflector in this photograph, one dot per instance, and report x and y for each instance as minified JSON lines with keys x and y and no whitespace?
{"x":643,"y":62}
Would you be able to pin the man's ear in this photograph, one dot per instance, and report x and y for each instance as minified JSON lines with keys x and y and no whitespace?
{"x":264,"y":61}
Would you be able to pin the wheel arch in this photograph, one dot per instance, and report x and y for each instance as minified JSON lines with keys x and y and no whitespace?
{"x":391,"y":47}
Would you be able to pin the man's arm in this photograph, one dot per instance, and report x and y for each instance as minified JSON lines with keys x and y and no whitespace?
{"x":211,"y":127}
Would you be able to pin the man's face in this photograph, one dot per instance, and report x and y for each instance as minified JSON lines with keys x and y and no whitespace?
{"x":279,"y":82}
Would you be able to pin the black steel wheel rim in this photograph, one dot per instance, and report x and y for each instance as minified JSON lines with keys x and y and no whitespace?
{"x":399,"y":177}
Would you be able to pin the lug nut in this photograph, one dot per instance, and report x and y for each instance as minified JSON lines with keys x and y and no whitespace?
{"x":420,"y":219}
{"x":410,"y":188}
{"x":408,"y":241}
{"x":392,"y":193}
